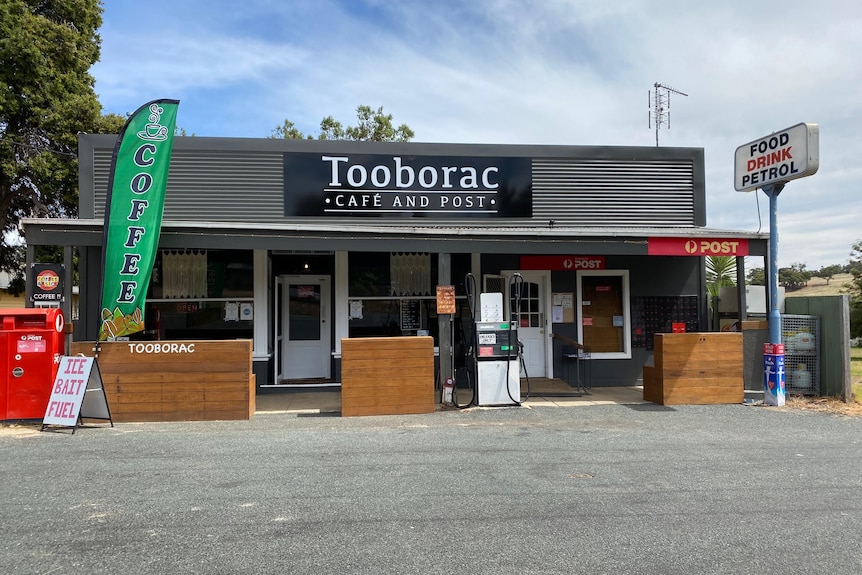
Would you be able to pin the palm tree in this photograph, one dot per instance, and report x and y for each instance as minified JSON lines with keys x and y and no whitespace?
{"x":720,"y":272}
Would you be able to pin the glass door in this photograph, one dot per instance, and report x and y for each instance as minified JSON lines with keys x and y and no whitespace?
{"x":305,"y":336}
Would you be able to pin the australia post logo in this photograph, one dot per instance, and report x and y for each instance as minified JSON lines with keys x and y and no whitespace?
{"x":406,"y":185}
{"x":698,"y":247}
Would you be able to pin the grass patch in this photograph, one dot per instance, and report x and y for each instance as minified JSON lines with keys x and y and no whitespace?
{"x":833,"y":404}
{"x":856,"y":372}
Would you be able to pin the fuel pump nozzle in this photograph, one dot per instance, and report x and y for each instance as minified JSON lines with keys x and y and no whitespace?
{"x":468,"y":366}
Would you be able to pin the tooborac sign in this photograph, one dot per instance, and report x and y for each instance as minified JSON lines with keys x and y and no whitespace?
{"x":780,"y":157}
{"x":697,"y":247}
{"x":406,"y":186}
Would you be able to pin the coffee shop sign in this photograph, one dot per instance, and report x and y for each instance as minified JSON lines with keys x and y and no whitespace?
{"x":778,"y":158}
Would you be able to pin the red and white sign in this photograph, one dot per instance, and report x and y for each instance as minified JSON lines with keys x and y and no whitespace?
{"x":773,"y":349}
{"x":563,"y":263}
{"x":70,"y":384}
{"x":31,"y":345}
{"x":697,"y":247}
{"x":786,"y":155}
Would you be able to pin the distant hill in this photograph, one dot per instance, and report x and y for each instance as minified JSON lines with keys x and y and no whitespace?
{"x":838,"y":285}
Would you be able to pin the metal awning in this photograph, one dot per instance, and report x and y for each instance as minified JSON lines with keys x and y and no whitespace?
{"x":353,"y":236}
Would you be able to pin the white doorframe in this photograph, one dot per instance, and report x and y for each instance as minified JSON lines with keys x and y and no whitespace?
{"x":308,"y":360}
{"x":543,"y":277}
{"x":277,"y":329}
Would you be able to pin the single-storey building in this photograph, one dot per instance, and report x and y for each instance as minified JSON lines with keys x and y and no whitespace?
{"x":299,"y":244}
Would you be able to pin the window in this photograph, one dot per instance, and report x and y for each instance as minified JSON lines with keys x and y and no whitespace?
{"x":393,"y":294}
{"x":604,"y":317}
{"x":200,"y":294}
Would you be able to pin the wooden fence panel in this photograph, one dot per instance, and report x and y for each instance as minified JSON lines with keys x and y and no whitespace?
{"x":175,"y":380}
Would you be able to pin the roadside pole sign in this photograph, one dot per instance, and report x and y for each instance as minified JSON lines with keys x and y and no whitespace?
{"x":77,"y":393}
{"x":769,"y":163}
{"x":777,"y":158}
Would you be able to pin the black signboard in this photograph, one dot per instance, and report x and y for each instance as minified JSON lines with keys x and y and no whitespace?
{"x":47,"y":282}
{"x":374,"y":185}
{"x":411,"y":316}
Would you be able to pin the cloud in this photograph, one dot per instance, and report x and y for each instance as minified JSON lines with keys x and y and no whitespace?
{"x":573,"y":72}
{"x":167,"y":64}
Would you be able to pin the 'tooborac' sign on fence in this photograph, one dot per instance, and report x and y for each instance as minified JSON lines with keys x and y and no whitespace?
{"x":780,"y":157}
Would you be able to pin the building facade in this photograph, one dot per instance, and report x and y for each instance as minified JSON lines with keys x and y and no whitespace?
{"x":298,"y":244}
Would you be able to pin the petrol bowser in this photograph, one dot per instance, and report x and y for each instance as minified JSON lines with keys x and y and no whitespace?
{"x":497,"y":351}
{"x":497,"y":377}
{"x":32,"y":341}
{"x":494,"y":354}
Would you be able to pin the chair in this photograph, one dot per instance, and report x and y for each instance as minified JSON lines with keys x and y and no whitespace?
{"x":585,"y":357}
{"x":574,"y":352}
{"x":570,"y":354}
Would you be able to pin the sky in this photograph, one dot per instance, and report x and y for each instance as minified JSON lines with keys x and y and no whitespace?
{"x":570,"y":72}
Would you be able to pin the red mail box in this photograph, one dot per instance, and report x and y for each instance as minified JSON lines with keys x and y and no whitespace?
{"x":32,"y":341}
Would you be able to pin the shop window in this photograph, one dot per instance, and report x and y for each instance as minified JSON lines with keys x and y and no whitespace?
{"x":368,"y":274}
{"x":394,"y":294}
{"x":201,"y":274}
{"x":410,"y":273}
{"x":604,"y":317}
{"x":200,"y":294}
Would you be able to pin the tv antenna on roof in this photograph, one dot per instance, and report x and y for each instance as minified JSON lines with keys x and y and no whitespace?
{"x":659,"y":103}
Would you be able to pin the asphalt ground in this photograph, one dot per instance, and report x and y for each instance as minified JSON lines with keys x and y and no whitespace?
{"x":598,"y":489}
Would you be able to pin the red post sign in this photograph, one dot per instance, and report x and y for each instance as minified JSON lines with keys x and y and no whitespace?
{"x":697,"y":247}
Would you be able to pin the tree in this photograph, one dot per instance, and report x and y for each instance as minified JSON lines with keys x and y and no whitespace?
{"x":855,"y":290}
{"x":756,"y":277}
{"x":372,"y":125}
{"x":795,"y":277}
{"x":827,"y":272}
{"x":46,"y":98}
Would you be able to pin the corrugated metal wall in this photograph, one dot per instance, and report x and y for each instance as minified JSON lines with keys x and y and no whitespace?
{"x":247,"y":186}
{"x":614,"y":193}
{"x":211,"y":185}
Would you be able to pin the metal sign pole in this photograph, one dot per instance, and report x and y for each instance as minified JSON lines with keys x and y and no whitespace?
{"x":774,"y":388}
{"x":769,"y":163}
{"x":772,"y":191}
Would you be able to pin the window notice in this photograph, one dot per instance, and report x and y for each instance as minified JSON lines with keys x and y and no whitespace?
{"x":445,"y":299}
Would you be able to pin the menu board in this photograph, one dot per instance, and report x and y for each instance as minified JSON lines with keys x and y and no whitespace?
{"x":411,"y":316}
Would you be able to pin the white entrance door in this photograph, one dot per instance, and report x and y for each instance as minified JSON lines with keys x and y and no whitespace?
{"x":303,"y":334}
{"x":533,"y":330}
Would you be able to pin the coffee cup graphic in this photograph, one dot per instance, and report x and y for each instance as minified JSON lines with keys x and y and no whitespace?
{"x":154,"y":132}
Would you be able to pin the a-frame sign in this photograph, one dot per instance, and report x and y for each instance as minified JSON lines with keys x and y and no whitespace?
{"x":78,"y":393}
